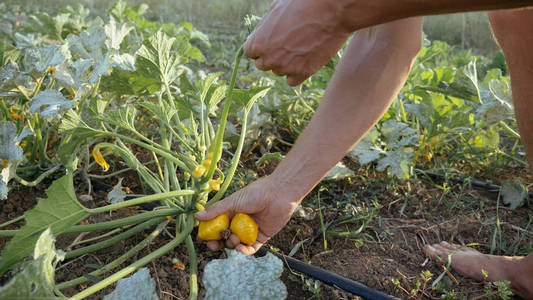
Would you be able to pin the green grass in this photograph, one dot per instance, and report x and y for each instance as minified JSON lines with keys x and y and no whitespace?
{"x":465,"y":31}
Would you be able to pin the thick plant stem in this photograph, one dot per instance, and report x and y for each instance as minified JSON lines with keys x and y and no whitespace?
{"x":234,"y":163}
{"x":39,"y":179}
{"x":138,"y":264}
{"x":15,"y":220}
{"x":509,"y":130}
{"x":110,"y":266}
{"x":193,"y":269}
{"x":136,"y":219}
{"x":141,"y":200}
{"x":110,"y":242}
{"x":217,"y":150}
{"x":144,"y":145}
{"x":8,"y":233}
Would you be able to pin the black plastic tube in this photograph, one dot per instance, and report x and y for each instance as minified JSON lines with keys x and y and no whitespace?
{"x":330,"y":278}
{"x":487,"y":186}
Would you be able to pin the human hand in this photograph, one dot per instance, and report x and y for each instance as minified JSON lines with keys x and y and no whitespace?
{"x":261,"y":200}
{"x":296,"y":38}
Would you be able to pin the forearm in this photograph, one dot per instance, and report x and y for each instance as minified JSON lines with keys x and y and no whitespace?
{"x":359,"y":14}
{"x":369,"y":76}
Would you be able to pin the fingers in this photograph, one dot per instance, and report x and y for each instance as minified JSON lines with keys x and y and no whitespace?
{"x":214,"y":245}
{"x":261,"y":65}
{"x":294,"y":80}
{"x":214,"y":210}
{"x":248,"y":48}
{"x":232,"y":242}
{"x":249,"y":250}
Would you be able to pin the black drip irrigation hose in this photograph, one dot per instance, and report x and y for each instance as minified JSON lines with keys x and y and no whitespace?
{"x":328,"y":277}
{"x":472,"y":182}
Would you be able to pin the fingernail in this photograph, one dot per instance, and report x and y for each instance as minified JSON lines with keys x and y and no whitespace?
{"x":200,"y":213}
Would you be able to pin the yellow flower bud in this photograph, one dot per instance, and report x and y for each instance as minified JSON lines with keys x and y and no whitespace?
{"x":99,"y":158}
{"x":201,"y":148}
{"x":199,"y":207}
{"x":206,"y":163}
{"x":199,"y":171}
{"x":214,"y":184}
{"x":210,"y":155}
{"x":203,"y":200}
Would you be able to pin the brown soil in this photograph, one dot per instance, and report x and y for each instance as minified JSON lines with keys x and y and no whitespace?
{"x":389,"y":247}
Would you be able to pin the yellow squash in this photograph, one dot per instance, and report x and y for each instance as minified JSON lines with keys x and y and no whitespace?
{"x":245,"y":228}
{"x":212,"y":230}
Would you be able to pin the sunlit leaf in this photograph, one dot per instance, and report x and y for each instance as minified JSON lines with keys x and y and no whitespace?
{"x":9,"y":140}
{"x":88,"y":44}
{"x":397,"y":162}
{"x":339,"y":171}
{"x":50,"y":103}
{"x":156,"y":57}
{"x":122,"y":61}
{"x":73,"y":74}
{"x":76,"y":132}
{"x":51,"y":56}
{"x":29,"y":40}
{"x":115,"y":34}
{"x":366,"y":150}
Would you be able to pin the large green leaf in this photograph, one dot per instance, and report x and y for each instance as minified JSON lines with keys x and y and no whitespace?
{"x":123,"y":117}
{"x":36,"y":280}
{"x":59,"y":211}
{"x":77,"y":133}
{"x":156,"y":57}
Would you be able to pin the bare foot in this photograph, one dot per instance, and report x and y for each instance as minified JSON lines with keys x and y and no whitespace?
{"x":471,"y":263}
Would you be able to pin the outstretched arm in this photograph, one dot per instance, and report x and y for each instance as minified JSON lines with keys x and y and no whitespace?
{"x":370,"y":74}
{"x":297,"y":37}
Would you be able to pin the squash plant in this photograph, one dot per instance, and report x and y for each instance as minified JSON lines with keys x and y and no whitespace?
{"x":113,"y":103}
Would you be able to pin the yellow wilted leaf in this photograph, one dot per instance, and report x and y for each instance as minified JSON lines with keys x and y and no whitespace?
{"x":99,"y":158}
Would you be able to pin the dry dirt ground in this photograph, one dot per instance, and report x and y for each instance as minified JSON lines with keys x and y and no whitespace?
{"x":388,"y":246}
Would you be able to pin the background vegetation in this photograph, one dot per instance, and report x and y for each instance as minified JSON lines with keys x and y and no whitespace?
{"x":466,"y":31}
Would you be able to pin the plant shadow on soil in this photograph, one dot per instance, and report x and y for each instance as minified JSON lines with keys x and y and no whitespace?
{"x":390,"y":246}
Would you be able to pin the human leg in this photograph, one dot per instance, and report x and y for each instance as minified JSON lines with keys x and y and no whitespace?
{"x":513,"y":30}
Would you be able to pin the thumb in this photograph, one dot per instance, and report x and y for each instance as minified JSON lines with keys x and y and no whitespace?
{"x":214,"y":210}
